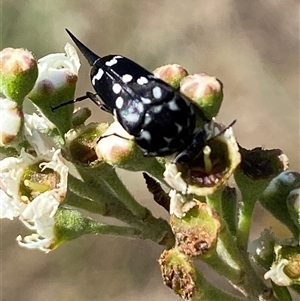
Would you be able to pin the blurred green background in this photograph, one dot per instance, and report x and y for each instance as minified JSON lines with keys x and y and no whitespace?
{"x":252,"y":46}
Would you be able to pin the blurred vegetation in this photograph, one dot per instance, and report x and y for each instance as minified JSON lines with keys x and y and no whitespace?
{"x":252,"y":46}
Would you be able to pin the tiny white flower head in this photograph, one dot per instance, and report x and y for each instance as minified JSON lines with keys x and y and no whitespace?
{"x":39,"y":217}
{"x":178,"y":205}
{"x":56,"y":69}
{"x":285,"y":269}
{"x":25,"y":178}
{"x":56,"y":83}
{"x":277,"y":273}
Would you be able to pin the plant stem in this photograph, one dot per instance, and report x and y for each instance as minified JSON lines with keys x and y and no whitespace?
{"x":102,"y":198}
{"x":99,"y":228}
{"x":229,"y":207}
{"x":109,"y":176}
{"x":213,"y":293}
{"x":245,"y":218}
{"x":226,"y":247}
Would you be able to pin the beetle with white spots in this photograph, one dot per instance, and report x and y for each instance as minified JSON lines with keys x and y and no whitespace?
{"x":160,"y":118}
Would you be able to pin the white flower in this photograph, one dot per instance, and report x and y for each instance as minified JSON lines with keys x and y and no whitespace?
{"x":277,"y":274}
{"x":56,"y":70}
{"x":33,"y":188}
{"x":34,"y":126}
{"x":178,"y":205}
{"x":11,"y":172}
{"x":39,"y":217}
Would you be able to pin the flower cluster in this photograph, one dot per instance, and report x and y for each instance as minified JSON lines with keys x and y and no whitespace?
{"x":207,"y":219}
{"x":33,"y":175}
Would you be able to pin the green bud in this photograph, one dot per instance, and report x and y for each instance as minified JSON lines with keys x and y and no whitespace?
{"x":117,"y":148}
{"x":18,"y":73}
{"x":179,"y":274}
{"x":172,"y":74}
{"x":293,"y":204}
{"x":274,"y":199}
{"x":205,"y":91}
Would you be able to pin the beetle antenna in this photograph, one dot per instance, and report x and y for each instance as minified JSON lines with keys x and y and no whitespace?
{"x":89,"y":95}
{"x":88,"y":54}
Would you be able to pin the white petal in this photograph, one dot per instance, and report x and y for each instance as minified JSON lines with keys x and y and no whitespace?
{"x":277,"y":274}
{"x":57,"y":164}
{"x":39,"y":214}
{"x":34,"y":125}
{"x":9,"y":207}
{"x":35,"y":241}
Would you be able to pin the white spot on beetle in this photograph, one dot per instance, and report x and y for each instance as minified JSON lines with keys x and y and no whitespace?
{"x":133,"y":117}
{"x":157,"y":109}
{"x":140,"y":107}
{"x":126,"y":78}
{"x":147,"y":119}
{"x":119,"y":102}
{"x":173,"y":106}
{"x":97,"y":76}
{"x":142,"y":80}
{"x":168,"y":140}
{"x":117,"y":88}
{"x":164,"y":149}
{"x":145,"y":135}
{"x":145,"y":100}
{"x":179,"y":127}
{"x":112,"y":62}
{"x":157,"y":93}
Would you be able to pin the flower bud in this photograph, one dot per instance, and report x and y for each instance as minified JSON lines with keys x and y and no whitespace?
{"x":56,"y":83}
{"x":196,"y":233}
{"x":10,"y":121}
{"x":18,"y":73}
{"x":172,"y":74}
{"x":285,"y":270}
{"x":117,"y":148}
{"x":274,"y":199}
{"x":179,"y":274}
{"x":205,"y":91}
